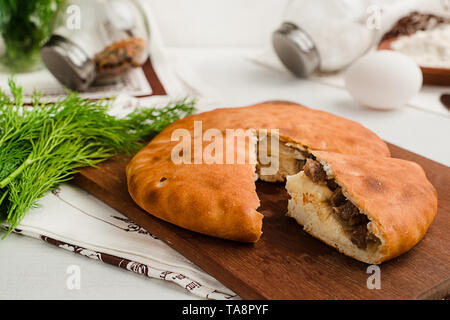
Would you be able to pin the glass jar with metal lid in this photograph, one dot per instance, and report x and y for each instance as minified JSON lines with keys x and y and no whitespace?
{"x":96,"y":41}
{"x":323,"y":35}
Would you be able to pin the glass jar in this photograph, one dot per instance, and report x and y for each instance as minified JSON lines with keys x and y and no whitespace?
{"x":97,"y":41}
{"x":323,"y":35}
{"x":24,"y":27}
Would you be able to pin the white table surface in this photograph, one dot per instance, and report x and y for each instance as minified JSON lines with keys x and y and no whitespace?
{"x":32,"y":269}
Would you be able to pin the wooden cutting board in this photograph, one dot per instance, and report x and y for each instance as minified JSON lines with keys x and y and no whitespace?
{"x":287,"y":263}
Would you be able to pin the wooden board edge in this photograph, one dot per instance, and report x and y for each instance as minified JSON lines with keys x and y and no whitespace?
{"x":438,"y":292}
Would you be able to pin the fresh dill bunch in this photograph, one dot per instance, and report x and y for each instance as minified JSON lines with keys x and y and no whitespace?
{"x":44,"y":144}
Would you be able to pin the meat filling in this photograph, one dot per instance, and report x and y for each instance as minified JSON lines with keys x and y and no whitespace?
{"x":314,"y":170}
{"x":345,"y":210}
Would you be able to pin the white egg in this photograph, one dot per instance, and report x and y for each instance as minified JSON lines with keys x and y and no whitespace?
{"x":383,"y":79}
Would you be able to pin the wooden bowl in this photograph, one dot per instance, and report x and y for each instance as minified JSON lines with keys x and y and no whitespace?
{"x":434,"y":76}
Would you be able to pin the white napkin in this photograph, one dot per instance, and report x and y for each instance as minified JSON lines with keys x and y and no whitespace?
{"x":73,"y":220}
{"x":132,"y":83}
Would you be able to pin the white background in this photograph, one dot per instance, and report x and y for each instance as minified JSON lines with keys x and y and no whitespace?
{"x":217,"y":22}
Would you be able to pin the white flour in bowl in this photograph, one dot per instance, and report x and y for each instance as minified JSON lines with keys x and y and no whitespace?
{"x":430,"y":48}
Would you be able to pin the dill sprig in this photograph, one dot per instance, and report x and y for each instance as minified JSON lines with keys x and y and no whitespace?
{"x":44,"y":144}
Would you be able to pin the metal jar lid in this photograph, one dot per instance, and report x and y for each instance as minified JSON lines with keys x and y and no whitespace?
{"x":296,"y":49}
{"x":68,"y":63}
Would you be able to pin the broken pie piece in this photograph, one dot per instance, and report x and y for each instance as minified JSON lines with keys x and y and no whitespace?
{"x":381,"y":208}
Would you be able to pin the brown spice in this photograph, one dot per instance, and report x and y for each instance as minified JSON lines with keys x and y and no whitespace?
{"x":120,"y":57}
{"x":414,"y":22}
